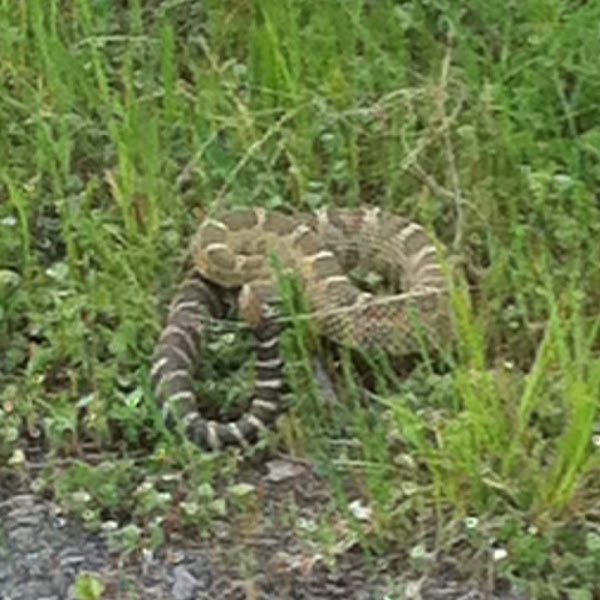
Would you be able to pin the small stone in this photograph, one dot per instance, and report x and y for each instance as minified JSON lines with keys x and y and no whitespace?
{"x":185,"y":586}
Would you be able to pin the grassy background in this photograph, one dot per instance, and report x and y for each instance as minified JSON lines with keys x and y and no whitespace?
{"x":121,"y":124}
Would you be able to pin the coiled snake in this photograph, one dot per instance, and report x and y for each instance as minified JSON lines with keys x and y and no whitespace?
{"x":231,"y":253}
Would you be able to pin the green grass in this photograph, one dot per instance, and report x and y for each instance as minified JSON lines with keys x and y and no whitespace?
{"x":121,"y":126}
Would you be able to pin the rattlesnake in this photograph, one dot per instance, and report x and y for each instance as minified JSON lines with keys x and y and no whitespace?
{"x":231,"y":253}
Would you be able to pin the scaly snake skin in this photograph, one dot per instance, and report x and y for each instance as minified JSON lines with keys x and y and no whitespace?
{"x":231,"y":253}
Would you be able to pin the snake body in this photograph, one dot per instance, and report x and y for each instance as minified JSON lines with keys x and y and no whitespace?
{"x":231,"y":253}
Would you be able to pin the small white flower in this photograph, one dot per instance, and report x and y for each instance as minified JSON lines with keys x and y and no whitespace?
{"x":110,"y":525}
{"x":360,"y":511}
{"x":9,"y":221}
{"x":147,"y":555}
{"x":596,"y":440}
{"x":190,"y":508}
{"x":471,"y":522}
{"x":499,"y":554}
{"x":307,"y":524}
{"x":145,"y":486}
{"x":81,"y":496}
{"x":164,"y":497}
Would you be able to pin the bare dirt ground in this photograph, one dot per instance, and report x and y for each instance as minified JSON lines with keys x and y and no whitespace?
{"x":43,"y":551}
